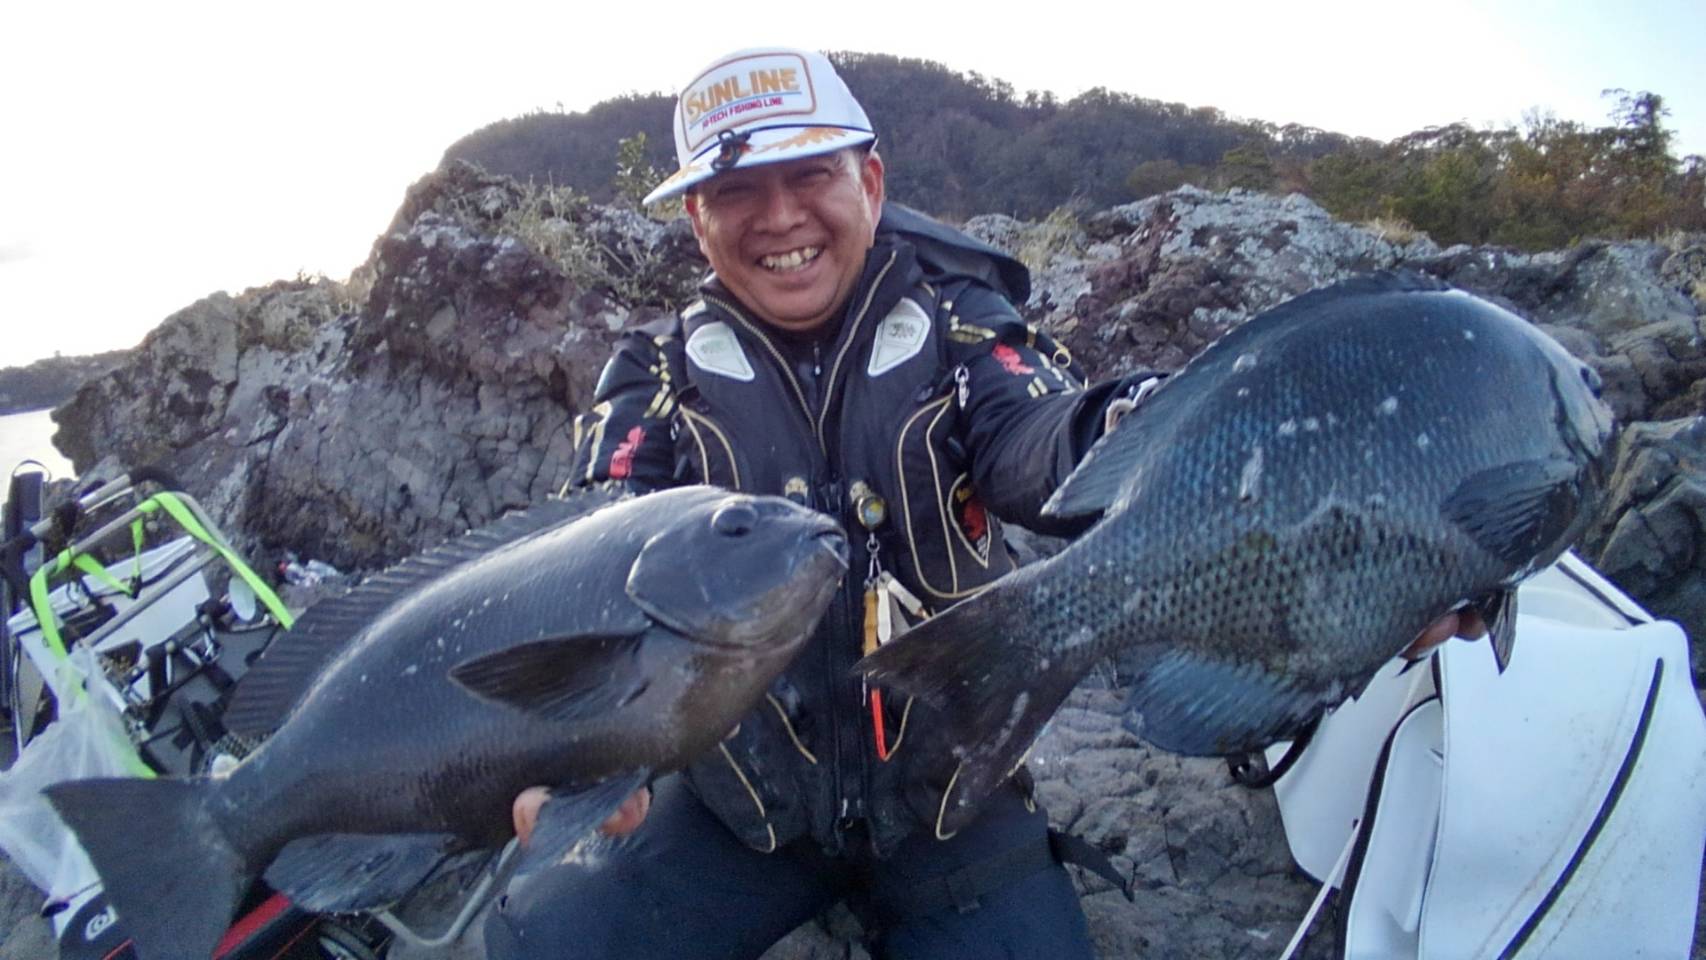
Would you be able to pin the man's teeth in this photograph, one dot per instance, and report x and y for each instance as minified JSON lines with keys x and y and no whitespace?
{"x":792,"y":260}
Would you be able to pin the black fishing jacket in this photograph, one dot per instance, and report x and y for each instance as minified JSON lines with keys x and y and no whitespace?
{"x":934,"y":396}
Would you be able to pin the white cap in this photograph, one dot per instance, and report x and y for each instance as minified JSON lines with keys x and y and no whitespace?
{"x":759,"y":106}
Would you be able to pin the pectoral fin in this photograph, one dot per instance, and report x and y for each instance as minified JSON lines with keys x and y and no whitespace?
{"x":295,"y":658}
{"x":573,"y":813}
{"x":339,"y":872}
{"x":561,"y":678}
{"x":1517,"y":511}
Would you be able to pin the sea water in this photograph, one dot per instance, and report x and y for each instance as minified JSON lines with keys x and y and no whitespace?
{"x":29,"y":436}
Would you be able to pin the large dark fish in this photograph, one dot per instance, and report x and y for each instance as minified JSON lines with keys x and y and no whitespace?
{"x":1280,"y":518}
{"x":581,"y":650}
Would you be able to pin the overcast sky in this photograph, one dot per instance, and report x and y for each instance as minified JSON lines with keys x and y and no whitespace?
{"x":151,"y":154}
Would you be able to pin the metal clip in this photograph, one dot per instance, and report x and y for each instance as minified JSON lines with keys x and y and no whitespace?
{"x":731,"y":146}
{"x":1119,"y":407}
{"x":873,"y":569}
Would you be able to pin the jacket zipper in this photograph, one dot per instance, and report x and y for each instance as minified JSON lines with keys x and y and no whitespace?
{"x":825,"y":396}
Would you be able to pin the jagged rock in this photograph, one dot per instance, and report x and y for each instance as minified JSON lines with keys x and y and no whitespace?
{"x":444,"y":399}
{"x":23,"y":934}
{"x":1213,"y":874}
{"x":1652,"y":539}
{"x":1175,"y":271}
{"x":1629,"y":309}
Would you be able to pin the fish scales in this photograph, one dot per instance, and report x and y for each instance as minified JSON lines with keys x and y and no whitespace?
{"x":586,"y":654}
{"x":1282,"y":517}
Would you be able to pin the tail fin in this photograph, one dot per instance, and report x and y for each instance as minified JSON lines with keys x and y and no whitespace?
{"x":168,"y":869}
{"x":994,"y":681}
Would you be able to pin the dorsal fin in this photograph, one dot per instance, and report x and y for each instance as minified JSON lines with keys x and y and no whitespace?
{"x":1108,"y":466}
{"x":1365,"y":285}
{"x":266,"y":694}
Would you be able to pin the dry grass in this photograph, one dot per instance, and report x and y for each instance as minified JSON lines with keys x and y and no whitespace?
{"x":1394,"y":230}
{"x":556,"y":223}
{"x":1058,"y":234}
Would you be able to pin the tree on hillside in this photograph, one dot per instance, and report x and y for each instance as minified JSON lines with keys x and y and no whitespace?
{"x":1546,"y":185}
{"x":960,"y":144}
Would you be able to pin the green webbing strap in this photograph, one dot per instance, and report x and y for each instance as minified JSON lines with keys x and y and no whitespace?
{"x":49,"y":623}
{"x":122,"y":748}
{"x":92,"y":567}
{"x":136,"y":551}
{"x":176,"y":509}
{"x":43,"y":609}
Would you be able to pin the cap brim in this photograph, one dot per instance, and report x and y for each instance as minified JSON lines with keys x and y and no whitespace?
{"x":763,"y":147}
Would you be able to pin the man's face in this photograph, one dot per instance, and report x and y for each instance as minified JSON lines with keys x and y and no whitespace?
{"x":789,"y":239}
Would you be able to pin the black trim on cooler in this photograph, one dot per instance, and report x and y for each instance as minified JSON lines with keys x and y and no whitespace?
{"x":1371,"y":806}
{"x":1606,"y":807}
{"x":1599,"y":595}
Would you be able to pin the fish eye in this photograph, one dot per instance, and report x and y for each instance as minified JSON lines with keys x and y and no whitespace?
{"x":734,"y":519}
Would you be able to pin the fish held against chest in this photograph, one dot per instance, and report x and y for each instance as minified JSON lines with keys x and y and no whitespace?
{"x":1282,"y":517}
{"x":585,"y":645}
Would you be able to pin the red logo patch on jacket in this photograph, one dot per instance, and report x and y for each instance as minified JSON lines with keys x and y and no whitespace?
{"x":1010,"y":360}
{"x":622,"y":461}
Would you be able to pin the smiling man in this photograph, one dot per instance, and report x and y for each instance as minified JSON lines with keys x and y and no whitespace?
{"x":788,"y":240}
{"x":866,"y":361}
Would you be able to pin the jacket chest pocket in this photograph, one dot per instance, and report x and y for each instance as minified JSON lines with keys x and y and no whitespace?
{"x":953,"y":545}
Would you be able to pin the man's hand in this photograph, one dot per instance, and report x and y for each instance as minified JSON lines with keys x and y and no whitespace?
{"x":1119,"y":407}
{"x":624,"y":821}
{"x":1465,"y":623}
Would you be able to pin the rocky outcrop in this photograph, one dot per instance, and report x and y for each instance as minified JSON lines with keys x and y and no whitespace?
{"x":1651,"y":540}
{"x":355,"y":423}
{"x":355,"y":426}
{"x":50,"y":382}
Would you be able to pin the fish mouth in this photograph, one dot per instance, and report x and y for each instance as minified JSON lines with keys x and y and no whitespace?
{"x":835,"y":543}
{"x":816,"y":565}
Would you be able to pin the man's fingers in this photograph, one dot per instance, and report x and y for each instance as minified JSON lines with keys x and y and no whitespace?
{"x":1470,"y":624}
{"x":1465,"y":623}
{"x":627,"y":818}
{"x":525,"y":811}
{"x":630,"y":815}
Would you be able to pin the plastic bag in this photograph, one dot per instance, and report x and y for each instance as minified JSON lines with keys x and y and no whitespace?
{"x":87,"y":740}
